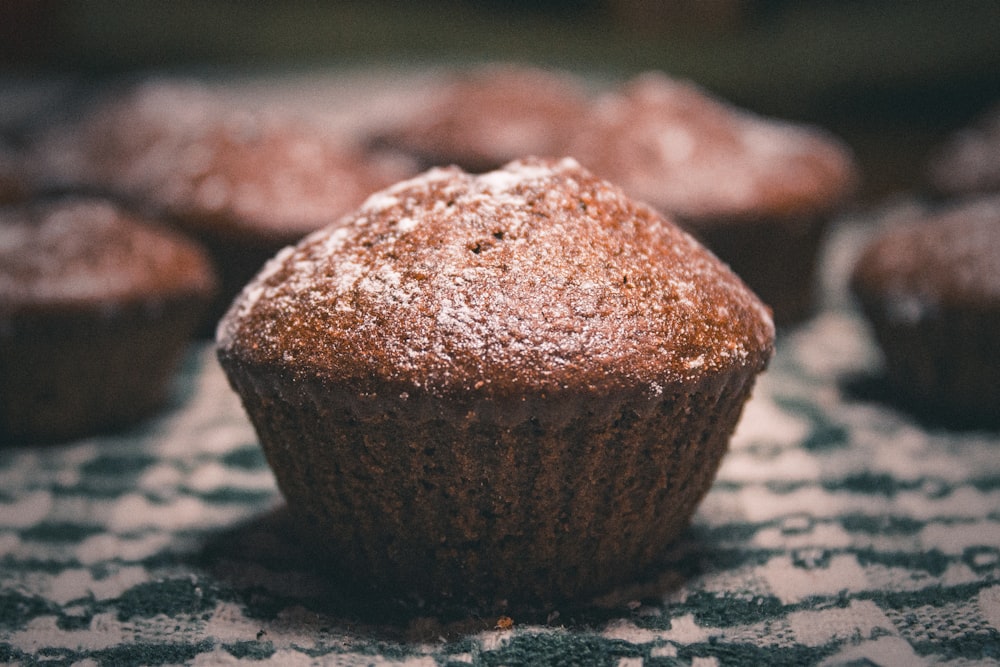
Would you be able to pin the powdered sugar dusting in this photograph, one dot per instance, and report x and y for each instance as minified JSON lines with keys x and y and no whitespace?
{"x":517,"y":174}
{"x":378,"y":202}
{"x":452,"y":279}
{"x":88,"y":251}
{"x":673,"y":145}
{"x":251,"y":293}
{"x":925,"y":260}
{"x":190,"y":151}
{"x":966,"y":162}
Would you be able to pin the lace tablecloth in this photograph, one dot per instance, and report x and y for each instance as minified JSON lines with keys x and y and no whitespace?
{"x":841,"y":530}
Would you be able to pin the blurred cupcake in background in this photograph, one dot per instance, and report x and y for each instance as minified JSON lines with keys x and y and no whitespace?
{"x":757,"y":191}
{"x":243,"y":182}
{"x":929,"y":285}
{"x":968,"y":160}
{"x":97,"y":307}
{"x":482,"y":117}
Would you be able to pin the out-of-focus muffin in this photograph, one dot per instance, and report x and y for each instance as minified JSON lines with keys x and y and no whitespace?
{"x":483,"y":117}
{"x":96,"y":309}
{"x":757,"y":191}
{"x":517,"y":385}
{"x":244,"y":183}
{"x":930,"y":288}
{"x":968,"y":161}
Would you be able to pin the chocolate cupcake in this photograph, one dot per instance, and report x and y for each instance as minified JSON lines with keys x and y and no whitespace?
{"x":96,"y":309}
{"x":757,"y":191}
{"x":245,"y":184}
{"x":483,"y":117}
{"x":968,"y":161}
{"x":931,"y":291}
{"x":513,"y":386}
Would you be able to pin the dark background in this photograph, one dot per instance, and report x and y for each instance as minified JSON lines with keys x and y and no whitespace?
{"x":892,"y":78}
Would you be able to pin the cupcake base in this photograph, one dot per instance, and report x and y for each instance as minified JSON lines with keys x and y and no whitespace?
{"x":945,"y":365}
{"x":453,"y":504}
{"x":73,"y":375}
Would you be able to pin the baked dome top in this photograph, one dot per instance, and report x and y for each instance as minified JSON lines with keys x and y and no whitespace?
{"x":672,"y":144}
{"x":482,"y":117}
{"x":535,"y":277}
{"x":948,"y":258}
{"x":88,"y":253}
{"x":186,"y":149}
{"x":968,"y":161}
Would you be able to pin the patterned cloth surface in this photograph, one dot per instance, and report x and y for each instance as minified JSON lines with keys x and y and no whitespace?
{"x":841,"y":530}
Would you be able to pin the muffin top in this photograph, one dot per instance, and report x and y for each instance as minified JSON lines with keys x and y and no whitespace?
{"x":268,"y":178}
{"x":950,"y":259}
{"x":674,"y":146}
{"x":538,"y":277}
{"x":484,"y":117}
{"x":86,"y":254}
{"x":968,"y":161}
{"x":186,"y":150}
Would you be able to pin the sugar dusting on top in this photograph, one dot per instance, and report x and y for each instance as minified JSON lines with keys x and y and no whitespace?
{"x":79,"y":251}
{"x":538,"y":269}
{"x":187,"y":149}
{"x":503,"y":181}
{"x":967,"y":162}
{"x":950,"y":257}
{"x":671,"y":144}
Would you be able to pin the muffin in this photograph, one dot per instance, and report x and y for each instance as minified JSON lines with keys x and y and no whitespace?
{"x":968,"y":161}
{"x":483,"y":117}
{"x":757,"y":191}
{"x":245,"y":184}
{"x":516,"y":386}
{"x":931,"y":290}
{"x":96,"y":308}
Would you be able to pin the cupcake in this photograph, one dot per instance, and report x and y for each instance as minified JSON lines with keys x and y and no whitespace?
{"x":931,"y":290}
{"x":968,"y":161}
{"x":96,"y":309}
{"x":757,"y":191}
{"x":517,"y":385}
{"x":245,"y":184}
{"x":483,"y":117}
